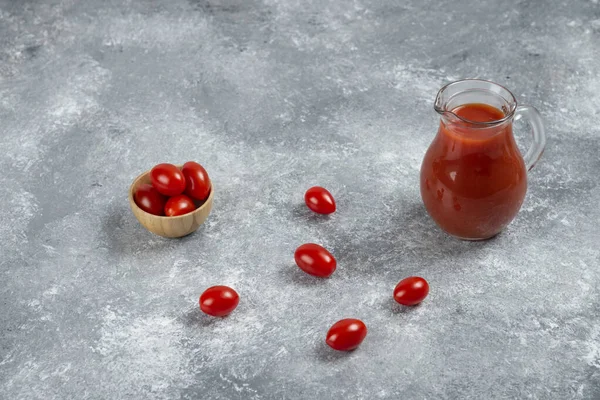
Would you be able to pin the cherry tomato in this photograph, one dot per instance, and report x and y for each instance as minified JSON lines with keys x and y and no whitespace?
{"x":319,"y":200}
{"x":411,"y":291}
{"x":197,"y":182}
{"x":148,"y":199}
{"x":315,"y":260}
{"x":179,"y":205}
{"x":167,"y":179}
{"x":346,"y":334}
{"x":219,"y":301}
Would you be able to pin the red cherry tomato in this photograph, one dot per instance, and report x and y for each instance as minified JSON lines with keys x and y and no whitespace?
{"x":179,"y":205}
{"x":411,"y":291}
{"x":197,"y":182}
{"x":319,"y":200}
{"x":346,"y":334}
{"x":219,"y":301}
{"x":167,"y":179}
{"x":148,"y":199}
{"x":315,"y":260}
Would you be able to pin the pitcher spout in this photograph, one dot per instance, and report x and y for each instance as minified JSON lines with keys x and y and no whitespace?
{"x":469,"y":91}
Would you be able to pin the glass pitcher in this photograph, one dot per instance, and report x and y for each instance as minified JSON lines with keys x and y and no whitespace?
{"x":473,"y":177}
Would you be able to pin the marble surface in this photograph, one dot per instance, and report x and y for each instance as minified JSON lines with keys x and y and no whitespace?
{"x":272,"y":97}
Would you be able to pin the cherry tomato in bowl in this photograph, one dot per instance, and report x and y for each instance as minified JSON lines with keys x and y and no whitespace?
{"x":411,"y":291}
{"x":315,"y":260}
{"x":149,"y":199}
{"x":170,"y":227}
{"x":197,"y":182}
{"x":219,"y":301}
{"x":319,"y":200}
{"x":346,"y":334}
{"x":179,"y":205}
{"x":167,"y":179}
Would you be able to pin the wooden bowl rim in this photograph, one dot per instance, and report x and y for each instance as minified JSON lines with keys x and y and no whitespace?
{"x":134,"y":204}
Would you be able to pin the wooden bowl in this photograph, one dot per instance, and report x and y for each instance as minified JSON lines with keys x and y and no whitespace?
{"x":171,"y":227}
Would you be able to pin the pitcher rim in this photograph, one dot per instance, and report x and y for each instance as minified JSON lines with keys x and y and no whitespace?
{"x":507,"y":117}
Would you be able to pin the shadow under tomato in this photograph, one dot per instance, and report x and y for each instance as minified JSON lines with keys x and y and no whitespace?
{"x":326,"y":354}
{"x":301,"y":212}
{"x":292,"y":273}
{"x":195,"y":317}
{"x":397,"y":308}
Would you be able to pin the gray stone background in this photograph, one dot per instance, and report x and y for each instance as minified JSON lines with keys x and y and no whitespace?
{"x":272,"y":97}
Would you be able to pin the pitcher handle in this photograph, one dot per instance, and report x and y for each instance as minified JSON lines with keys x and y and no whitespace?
{"x":534,"y":119}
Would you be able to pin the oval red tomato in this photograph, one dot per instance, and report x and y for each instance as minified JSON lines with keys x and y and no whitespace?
{"x":315,"y":260}
{"x":411,"y":291}
{"x":179,"y":205}
{"x":197,"y":182}
{"x":319,"y":200}
{"x":219,"y":301}
{"x":346,"y":334}
{"x":167,"y":179}
{"x":148,"y":199}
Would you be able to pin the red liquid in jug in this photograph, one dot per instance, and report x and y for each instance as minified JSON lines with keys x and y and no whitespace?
{"x":473,"y":178}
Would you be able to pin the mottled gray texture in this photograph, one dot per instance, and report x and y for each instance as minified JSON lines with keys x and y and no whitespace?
{"x":274,"y":96}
